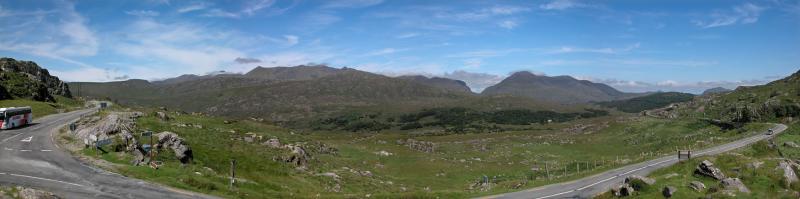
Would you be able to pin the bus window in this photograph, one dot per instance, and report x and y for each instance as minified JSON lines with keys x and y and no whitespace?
{"x":2,"y":115}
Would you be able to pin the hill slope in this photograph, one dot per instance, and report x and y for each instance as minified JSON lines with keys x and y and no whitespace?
{"x":443,"y":83}
{"x":25,"y":79}
{"x":559,"y":89}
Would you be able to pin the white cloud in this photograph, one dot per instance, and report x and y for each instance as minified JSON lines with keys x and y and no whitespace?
{"x":562,"y":5}
{"x":485,"y":53}
{"x":250,"y":8}
{"x":508,"y":24}
{"x":742,"y":14}
{"x":60,"y":34}
{"x":472,"y":63}
{"x":482,"y":14}
{"x":192,"y":7}
{"x":142,"y":13}
{"x":628,"y":62}
{"x":291,"y":40}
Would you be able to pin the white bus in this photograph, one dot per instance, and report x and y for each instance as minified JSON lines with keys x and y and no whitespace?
{"x":13,"y":117}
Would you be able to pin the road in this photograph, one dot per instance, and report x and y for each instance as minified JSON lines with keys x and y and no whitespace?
{"x":590,"y":186}
{"x":30,"y":157}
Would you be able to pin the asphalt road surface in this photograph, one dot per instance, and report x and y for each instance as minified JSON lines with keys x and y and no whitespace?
{"x":596,"y":184}
{"x":30,"y":157}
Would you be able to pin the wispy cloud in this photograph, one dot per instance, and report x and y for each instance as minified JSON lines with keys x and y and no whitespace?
{"x":508,"y":24}
{"x":142,"y":13}
{"x":628,"y":62}
{"x":741,"y":14}
{"x":562,"y":5}
{"x":476,"y":81}
{"x":351,"y":3}
{"x":193,"y":7}
{"x":291,"y":40}
{"x":696,"y":87}
{"x":570,"y":49}
{"x":407,"y":35}
{"x":250,"y":8}
{"x":485,"y":53}
{"x":384,"y":51}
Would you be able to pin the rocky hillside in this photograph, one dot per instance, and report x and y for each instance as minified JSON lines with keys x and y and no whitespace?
{"x":443,"y":83}
{"x":652,"y":101}
{"x":558,"y":89}
{"x":25,"y":79}
{"x":716,"y":90}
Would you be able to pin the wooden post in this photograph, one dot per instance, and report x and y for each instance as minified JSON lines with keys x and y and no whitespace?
{"x":233,"y":172}
{"x":578,"y":166}
{"x":547,"y":170}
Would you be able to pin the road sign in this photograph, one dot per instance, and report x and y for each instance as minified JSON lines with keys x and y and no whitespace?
{"x":73,"y":126}
{"x":147,"y":133}
{"x":684,"y":154}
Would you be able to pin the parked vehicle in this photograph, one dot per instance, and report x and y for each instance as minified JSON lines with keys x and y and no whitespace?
{"x":769,"y":132}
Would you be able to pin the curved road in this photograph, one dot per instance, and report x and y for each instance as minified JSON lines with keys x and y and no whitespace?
{"x":30,"y":157}
{"x":596,"y":184}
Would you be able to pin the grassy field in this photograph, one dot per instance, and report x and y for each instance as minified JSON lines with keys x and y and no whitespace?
{"x":44,"y":108}
{"x":510,"y":161}
{"x":764,"y":182}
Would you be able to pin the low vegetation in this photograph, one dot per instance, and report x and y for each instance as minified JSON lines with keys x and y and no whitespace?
{"x":652,"y":101}
{"x":44,"y":108}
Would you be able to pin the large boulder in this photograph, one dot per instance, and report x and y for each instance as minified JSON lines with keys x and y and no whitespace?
{"x":172,"y":141}
{"x":272,"y":143}
{"x":791,"y":144}
{"x":706,"y":168}
{"x":30,"y":193}
{"x":297,"y":155}
{"x":789,"y":175}
{"x":697,"y":186}
{"x":734,"y":184}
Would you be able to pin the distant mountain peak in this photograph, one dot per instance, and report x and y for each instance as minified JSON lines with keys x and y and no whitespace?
{"x":560,"y":89}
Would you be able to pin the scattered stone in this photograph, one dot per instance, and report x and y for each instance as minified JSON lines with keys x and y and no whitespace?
{"x":671,"y":175}
{"x":330,"y":174}
{"x":734,"y":184}
{"x":669,"y":191}
{"x":791,"y":144}
{"x":29,"y":193}
{"x":707,"y":168}
{"x":756,"y":165}
{"x":697,"y":186}
{"x":422,"y":146}
{"x":273,"y":143}
{"x":171,"y":140}
{"x":365,"y":173}
{"x":383,"y":153}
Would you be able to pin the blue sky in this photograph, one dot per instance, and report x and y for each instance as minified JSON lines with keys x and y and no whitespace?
{"x":631,"y":45}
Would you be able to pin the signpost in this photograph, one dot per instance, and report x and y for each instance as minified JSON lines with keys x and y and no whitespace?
{"x":100,"y":143}
{"x":150,"y":150}
{"x":233,"y":172}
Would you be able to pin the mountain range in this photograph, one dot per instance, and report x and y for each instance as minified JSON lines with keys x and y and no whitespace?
{"x":289,"y":93}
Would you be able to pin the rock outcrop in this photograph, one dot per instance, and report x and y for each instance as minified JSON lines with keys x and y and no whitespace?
{"x":706,"y":168}
{"x":789,"y":176}
{"x":26,"y":79}
{"x":297,"y":155}
{"x":422,"y":146}
{"x":172,"y":141}
{"x":646,"y":180}
{"x":30,"y":193}
{"x":791,"y":144}
{"x":622,"y":190}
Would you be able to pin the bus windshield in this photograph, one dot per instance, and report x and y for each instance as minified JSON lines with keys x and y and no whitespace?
{"x":2,"y":115}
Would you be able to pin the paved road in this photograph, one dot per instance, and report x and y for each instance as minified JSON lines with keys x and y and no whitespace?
{"x":593,"y":185}
{"x":29,"y":157}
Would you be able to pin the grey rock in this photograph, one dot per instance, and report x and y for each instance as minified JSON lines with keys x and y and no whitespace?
{"x":272,"y":143}
{"x":668,"y":191}
{"x":791,"y":144}
{"x":172,"y":141}
{"x":29,"y":193}
{"x":646,"y":180}
{"x":622,"y":190}
{"x":707,"y":168}
{"x":789,"y":176}
{"x":734,"y":184}
{"x":697,"y":185}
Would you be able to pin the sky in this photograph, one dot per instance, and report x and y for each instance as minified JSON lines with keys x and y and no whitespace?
{"x":634,"y":46}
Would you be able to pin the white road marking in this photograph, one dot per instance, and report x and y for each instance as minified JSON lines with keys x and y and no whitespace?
{"x":24,"y":150}
{"x":558,"y":194}
{"x":4,"y":140}
{"x":27,"y":139}
{"x":45,"y":150}
{"x":7,"y":149}
{"x":39,"y":178}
